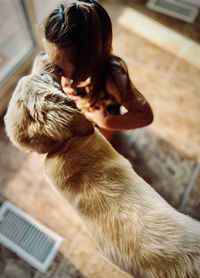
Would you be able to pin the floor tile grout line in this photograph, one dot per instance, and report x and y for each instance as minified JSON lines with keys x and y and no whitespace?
{"x":100,"y":255}
{"x":150,"y":68}
{"x":172,"y":68}
{"x":164,"y":73}
{"x":176,"y":60}
{"x":71,"y":247}
{"x":11,"y":199}
{"x":77,"y":237}
{"x":190,"y":186}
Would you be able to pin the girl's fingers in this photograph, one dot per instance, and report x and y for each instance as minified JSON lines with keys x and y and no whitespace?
{"x":68,"y":91}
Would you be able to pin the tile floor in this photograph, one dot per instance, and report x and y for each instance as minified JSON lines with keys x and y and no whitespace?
{"x":166,"y":154}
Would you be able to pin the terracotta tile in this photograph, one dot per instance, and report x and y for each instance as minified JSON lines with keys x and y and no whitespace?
{"x":177,"y":117}
{"x":87,"y":240}
{"x":136,"y":49}
{"x":41,"y":199}
{"x":188,"y":72}
{"x":90,"y":265}
{"x":147,"y":81}
{"x":191,"y":55}
{"x":29,"y":170}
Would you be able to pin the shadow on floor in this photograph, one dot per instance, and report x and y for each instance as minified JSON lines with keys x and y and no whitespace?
{"x":161,"y":165}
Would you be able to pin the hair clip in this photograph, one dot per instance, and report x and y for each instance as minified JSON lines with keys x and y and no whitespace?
{"x":61,"y":13}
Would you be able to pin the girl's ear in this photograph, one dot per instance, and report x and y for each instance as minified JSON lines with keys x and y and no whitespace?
{"x":81,"y":126}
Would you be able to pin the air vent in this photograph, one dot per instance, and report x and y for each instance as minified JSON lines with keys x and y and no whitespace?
{"x":29,"y":239}
{"x":174,"y":8}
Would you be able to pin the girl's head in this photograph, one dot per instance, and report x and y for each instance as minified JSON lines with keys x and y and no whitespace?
{"x":78,"y":39}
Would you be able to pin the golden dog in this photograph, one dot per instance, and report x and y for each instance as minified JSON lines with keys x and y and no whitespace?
{"x":134,"y":226}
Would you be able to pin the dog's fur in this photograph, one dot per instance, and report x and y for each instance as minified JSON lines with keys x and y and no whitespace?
{"x":133,"y":225}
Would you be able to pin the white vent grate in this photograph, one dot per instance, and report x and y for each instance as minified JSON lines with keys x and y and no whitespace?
{"x":174,"y":8}
{"x":28,"y":238}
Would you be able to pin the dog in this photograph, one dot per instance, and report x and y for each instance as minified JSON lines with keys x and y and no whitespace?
{"x":134,"y":226}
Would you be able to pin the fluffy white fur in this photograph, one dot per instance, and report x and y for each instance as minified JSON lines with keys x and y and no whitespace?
{"x":134,"y":226}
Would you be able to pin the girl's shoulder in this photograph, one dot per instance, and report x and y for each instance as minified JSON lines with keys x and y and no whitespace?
{"x":116,"y":64}
{"x":118,"y":80}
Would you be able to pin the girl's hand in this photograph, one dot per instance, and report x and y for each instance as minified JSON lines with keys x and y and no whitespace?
{"x":71,"y":93}
{"x":98,"y":115}
{"x":68,"y":91}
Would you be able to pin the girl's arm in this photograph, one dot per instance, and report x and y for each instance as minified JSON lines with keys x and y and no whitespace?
{"x":139,"y":112}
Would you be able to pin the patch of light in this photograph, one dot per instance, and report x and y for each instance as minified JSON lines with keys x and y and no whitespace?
{"x":160,"y":35}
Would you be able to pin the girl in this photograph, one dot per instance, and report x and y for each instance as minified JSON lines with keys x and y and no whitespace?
{"x":78,"y":41}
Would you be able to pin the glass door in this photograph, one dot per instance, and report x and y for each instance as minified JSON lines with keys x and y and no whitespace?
{"x":19,"y":41}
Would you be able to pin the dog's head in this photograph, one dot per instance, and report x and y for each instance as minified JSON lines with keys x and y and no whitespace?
{"x":43,"y":66}
{"x":40,"y":117}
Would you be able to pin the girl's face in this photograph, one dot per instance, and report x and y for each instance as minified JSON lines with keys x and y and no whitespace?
{"x":59,"y":58}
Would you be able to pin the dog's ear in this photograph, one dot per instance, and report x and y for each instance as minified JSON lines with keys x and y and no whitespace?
{"x":40,"y":117}
{"x":29,"y":125}
{"x":65,"y":115}
{"x":80,"y":126}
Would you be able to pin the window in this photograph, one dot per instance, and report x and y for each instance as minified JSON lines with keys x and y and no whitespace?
{"x":16,"y":37}
{"x":19,"y":42}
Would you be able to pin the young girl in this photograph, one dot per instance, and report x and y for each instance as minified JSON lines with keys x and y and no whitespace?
{"x":78,"y":41}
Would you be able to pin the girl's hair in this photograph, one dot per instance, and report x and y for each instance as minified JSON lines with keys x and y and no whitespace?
{"x":84,"y":29}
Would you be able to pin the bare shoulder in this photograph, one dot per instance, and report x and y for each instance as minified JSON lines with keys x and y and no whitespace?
{"x":117,"y":78}
{"x":112,"y":88}
{"x":119,"y":84}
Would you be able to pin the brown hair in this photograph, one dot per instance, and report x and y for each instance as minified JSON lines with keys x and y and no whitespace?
{"x":84,"y":29}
